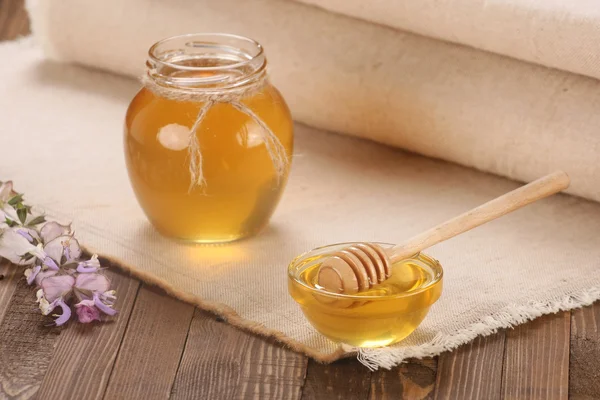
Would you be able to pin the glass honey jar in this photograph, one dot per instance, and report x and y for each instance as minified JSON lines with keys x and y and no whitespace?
{"x":208,"y":139}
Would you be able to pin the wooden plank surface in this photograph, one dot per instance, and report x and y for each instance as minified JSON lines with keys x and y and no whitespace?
{"x":9,"y":276}
{"x":26,"y":344}
{"x":344,"y":380}
{"x":85,"y":353}
{"x":415,"y":380}
{"x":271,"y":372}
{"x":152,"y":347}
{"x":584,"y":368}
{"x":222,"y":362}
{"x":536,"y":359}
{"x":473,"y":371}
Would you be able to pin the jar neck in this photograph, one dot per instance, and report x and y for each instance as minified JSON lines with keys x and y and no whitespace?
{"x":207,"y":63}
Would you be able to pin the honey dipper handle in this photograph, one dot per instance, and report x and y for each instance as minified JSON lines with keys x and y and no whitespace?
{"x":509,"y":202}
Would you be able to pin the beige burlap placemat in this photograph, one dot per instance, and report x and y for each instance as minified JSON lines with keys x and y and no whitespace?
{"x":61,"y":141}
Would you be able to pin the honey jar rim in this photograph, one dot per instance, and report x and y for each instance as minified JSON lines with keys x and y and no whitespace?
{"x":153,"y":55}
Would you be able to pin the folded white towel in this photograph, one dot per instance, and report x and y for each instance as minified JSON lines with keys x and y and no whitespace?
{"x":555,"y":33}
{"x":442,"y":100}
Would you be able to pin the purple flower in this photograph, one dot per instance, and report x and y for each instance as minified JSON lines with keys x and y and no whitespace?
{"x":62,"y":249}
{"x":87,"y":311}
{"x":98,"y":285}
{"x":51,"y":230}
{"x":90,"y":289}
{"x":66,"y":312}
{"x":57,"y":286}
{"x":14,"y":247}
{"x":26,"y":234}
{"x":94,"y":283}
{"x":32,"y":273}
{"x":36,"y":274}
{"x":52,"y":255}
{"x":43,"y":274}
{"x":91,"y":265}
{"x":53,"y":247}
{"x":47,"y":250}
{"x":100,"y":300}
{"x":47,"y":308}
{"x":53,"y":293}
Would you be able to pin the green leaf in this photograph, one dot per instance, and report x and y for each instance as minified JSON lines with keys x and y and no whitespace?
{"x":22,"y":214}
{"x":10,"y":222}
{"x":16,"y":200}
{"x":37,"y":220}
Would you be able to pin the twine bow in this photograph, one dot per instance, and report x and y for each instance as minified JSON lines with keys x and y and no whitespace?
{"x":229,"y":96}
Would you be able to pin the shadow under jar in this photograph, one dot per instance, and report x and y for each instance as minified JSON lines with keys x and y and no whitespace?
{"x":208,"y":140}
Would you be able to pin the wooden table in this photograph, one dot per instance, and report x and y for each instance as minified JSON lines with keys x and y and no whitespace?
{"x":159,"y":347}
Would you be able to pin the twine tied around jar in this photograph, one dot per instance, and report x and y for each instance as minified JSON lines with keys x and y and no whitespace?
{"x":233,"y":97}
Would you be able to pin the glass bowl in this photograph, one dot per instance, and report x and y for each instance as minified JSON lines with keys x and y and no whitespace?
{"x":381,"y":316}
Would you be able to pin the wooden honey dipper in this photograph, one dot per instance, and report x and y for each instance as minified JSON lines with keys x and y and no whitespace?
{"x":362,"y":265}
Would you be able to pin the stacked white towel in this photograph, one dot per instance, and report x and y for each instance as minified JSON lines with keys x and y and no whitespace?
{"x":347,"y":75}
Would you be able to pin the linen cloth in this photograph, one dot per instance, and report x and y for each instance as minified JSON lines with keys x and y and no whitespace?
{"x":61,"y":138}
{"x":555,"y":33}
{"x":341,"y":74}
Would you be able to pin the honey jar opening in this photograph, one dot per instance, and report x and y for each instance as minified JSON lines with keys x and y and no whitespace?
{"x":206,"y":62}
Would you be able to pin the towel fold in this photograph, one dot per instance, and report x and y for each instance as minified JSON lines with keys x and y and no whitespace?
{"x":555,"y":33}
{"x":442,"y":100}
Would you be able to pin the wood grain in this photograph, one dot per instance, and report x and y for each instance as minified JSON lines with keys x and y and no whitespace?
{"x":414,"y":380}
{"x":271,"y":372}
{"x":536,"y":359}
{"x":152,"y":347}
{"x":344,"y":379}
{"x":85,"y":354}
{"x":584,"y":366}
{"x":222,"y":362}
{"x":8,"y":283}
{"x":473,"y":371}
{"x":26,"y":344}
{"x":14,"y":21}
{"x":210,"y":366}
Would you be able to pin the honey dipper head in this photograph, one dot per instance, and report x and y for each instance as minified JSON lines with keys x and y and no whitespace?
{"x":355,"y":268}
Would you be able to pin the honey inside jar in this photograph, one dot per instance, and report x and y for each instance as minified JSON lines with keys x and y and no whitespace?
{"x":241,"y":186}
{"x":380,"y":316}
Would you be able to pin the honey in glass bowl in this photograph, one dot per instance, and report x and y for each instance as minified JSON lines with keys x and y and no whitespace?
{"x":240,"y":185}
{"x":380,"y":316}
